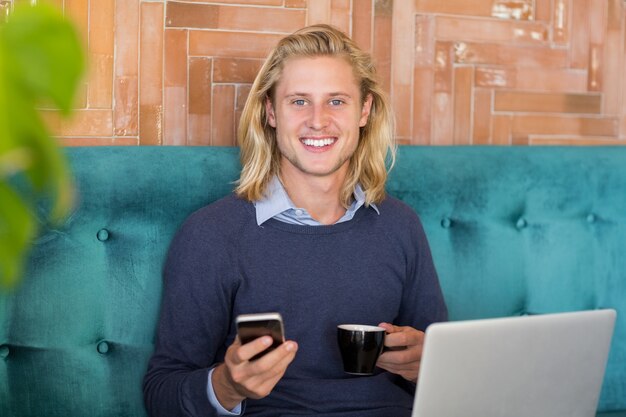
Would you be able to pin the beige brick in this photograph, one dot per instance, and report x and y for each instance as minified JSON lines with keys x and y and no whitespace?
{"x":101,"y":54}
{"x":81,"y":123}
{"x":481,"y":133}
{"x":175,"y":57}
{"x":191,"y":15}
{"x":579,"y":47}
{"x":595,"y":76}
{"x":200,"y":84}
{"x":151,"y":74}
{"x":598,"y":21}
{"x":423,"y":79}
{"x":543,"y":10}
{"x":463,"y":77}
{"x":126,"y":111}
{"x":199,"y":130}
{"x":496,"y":77}
{"x":231,"y":44}
{"x":518,"y":56}
{"x":513,"y":10}
{"x":557,"y":140}
{"x":501,"y":130}
{"x":296,"y":4}
{"x":100,"y":75}
{"x":443,"y":119}
{"x":612,"y":73}
{"x":340,"y":15}
{"x":511,"y":101}
{"x":223,"y":124}
{"x":561,"y":21}
{"x":491,"y":30}
{"x":424,"y":40}
{"x":175,"y":116}
{"x":564,"y":125}
{"x":126,"y":37}
{"x":151,"y":124}
{"x":233,"y":70}
{"x":151,"y":64}
{"x":175,"y":109}
{"x":362,"y":24}
{"x":243,"y":90}
{"x":444,"y":59}
{"x":101,"y":21}
{"x":457,"y":7}
{"x":319,"y":11}
{"x":239,"y":2}
{"x":401,"y":66}
{"x":104,"y":141}
{"x":382,"y":46}
{"x":208,"y":16}
{"x":551,"y":80}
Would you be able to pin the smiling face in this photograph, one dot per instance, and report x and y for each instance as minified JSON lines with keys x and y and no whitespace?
{"x":317,"y":111}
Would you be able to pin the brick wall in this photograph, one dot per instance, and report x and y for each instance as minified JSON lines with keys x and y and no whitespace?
{"x":458,"y":71}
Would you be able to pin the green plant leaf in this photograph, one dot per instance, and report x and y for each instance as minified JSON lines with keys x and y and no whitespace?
{"x":48,"y":170}
{"x":41,"y":58}
{"x":44,"y":54}
{"x":17,"y":229}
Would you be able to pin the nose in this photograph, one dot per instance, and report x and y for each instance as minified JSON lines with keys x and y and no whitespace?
{"x":318,"y":117}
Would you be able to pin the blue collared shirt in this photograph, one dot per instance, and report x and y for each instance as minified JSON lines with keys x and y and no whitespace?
{"x":276,"y":204}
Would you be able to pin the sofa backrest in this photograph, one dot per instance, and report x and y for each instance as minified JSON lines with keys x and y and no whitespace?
{"x":513,"y":231}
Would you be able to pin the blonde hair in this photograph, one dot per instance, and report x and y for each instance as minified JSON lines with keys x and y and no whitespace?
{"x":260,"y":157}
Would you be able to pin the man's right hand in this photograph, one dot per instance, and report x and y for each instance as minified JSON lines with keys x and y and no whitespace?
{"x":239,"y":378}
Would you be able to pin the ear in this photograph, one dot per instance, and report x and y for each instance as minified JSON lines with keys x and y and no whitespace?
{"x":269,"y":111}
{"x":365,"y":111}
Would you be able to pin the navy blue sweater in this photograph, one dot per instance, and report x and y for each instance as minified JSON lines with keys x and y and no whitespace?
{"x":374,"y":268}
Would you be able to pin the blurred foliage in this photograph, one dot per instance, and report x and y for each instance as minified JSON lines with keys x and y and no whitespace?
{"x":41,"y":61}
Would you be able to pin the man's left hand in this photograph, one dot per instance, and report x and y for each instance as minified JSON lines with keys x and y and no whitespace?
{"x":404,"y":357}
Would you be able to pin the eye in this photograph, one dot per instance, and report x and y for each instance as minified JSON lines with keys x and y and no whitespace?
{"x":336,"y":102}
{"x":299,"y":102}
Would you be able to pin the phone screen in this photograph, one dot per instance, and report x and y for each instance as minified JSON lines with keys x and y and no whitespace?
{"x":250,"y":328}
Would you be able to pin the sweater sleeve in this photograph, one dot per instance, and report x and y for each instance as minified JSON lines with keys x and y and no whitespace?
{"x":199,"y":284}
{"x":422,"y":300}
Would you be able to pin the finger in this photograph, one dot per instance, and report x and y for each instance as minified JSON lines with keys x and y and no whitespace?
{"x":270,"y":363}
{"x":280,"y":360}
{"x":407,"y":336}
{"x":401,"y":357}
{"x":398,"y":368}
{"x":263,"y":374}
{"x":409,"y":372}
{"x":249,"y":350}
{"x":389,"y":328}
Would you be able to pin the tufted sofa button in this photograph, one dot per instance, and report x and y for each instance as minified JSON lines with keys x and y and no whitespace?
{"x":521,"y":223}
{"x":103,"y":347}
{"x":591,"y":218}
{"x":446,"y":223}
{"x":103,"y":235}
{"x":4,"y":351}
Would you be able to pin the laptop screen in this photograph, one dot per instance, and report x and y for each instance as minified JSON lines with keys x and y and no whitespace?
{"x":545,"y":365}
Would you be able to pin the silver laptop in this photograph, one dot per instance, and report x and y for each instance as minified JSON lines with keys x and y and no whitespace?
{"x":531,"y":366}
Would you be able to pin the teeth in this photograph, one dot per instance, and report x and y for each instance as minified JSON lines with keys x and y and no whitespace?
{"x":318,"y":143}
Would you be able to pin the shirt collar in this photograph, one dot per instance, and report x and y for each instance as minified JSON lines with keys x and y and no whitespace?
{"x":276,"y":201}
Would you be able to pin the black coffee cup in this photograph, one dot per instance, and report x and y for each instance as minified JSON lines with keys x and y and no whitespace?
{"x":360,"y":347}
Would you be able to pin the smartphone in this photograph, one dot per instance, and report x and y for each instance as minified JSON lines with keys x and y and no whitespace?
{"x":253,"y":326}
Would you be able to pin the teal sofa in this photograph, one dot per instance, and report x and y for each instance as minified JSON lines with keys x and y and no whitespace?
{"x":513,"y":231}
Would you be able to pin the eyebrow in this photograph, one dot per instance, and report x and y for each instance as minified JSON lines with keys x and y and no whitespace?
{"x":333,"y":94}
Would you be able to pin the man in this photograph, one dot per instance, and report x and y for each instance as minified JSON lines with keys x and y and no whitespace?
{"x":308,"y":233}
